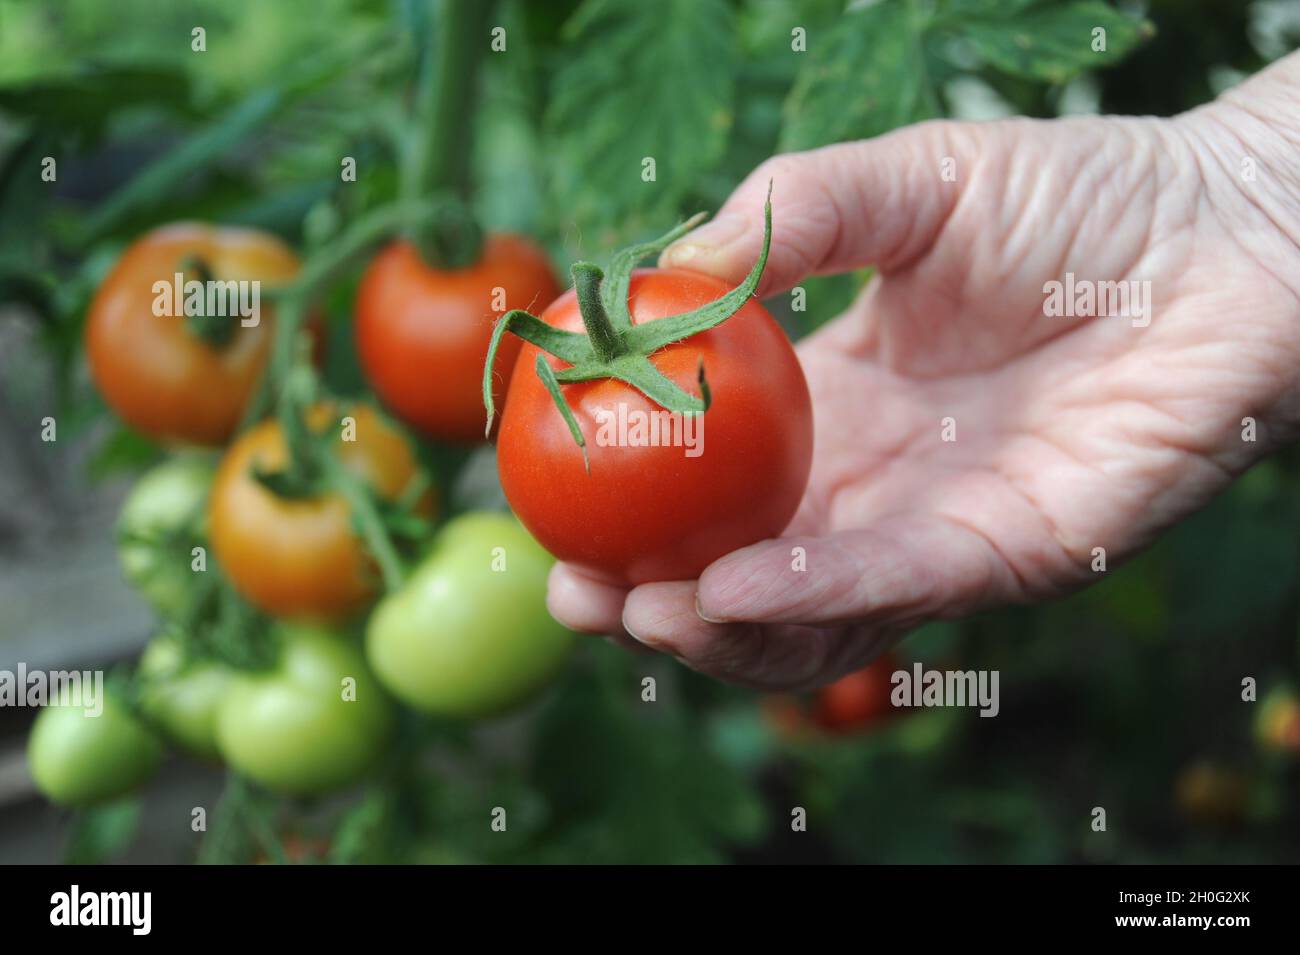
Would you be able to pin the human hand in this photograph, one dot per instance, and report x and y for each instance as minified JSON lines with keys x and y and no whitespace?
{"x":1067,"y":434}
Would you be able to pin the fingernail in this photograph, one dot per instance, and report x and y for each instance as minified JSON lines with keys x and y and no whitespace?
{"x":702,"y":615}
{"x":632,"y":633}
{"x":723,"y":230}
{"x":658,"y":646}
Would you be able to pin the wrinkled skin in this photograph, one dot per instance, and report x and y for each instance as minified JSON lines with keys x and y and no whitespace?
{"x":1071,"y":433}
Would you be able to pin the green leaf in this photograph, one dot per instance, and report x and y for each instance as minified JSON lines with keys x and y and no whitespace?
{"x":984,"y":9}
{"x":629,"y":781}
{"x":290,"y":484}
{"x":35,"y":290}
{"x":99,"y":834}
{"x":359,"y":828}
{"x":123,"y":450}
{"x":1056,"y":44}
{"x":244,"y":821}
{"x":651,"y":336}
{"x":156,"y":181}
{"x":81,"y":104}
{"x":864,"y":77}
{"x":613,"y":293}
{"x":642,"y":80}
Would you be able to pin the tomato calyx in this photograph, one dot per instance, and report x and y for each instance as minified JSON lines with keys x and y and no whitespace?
{"x":612,"y":347}
{"x":215,"y":331}
{"x":313,"y":469}
{"x":303,"y":476}
{"x":451,"y":238}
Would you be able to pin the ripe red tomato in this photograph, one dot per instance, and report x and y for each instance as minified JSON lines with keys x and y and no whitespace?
{"x":645,"y":512}
{"x":858,"y":699}
{"x":302,"y":557}
{"x":423,"y":333}
{"x":158,"y":376}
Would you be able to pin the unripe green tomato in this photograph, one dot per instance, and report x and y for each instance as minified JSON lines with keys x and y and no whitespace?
{"x":182,"y":699}
{"x":77,"y":759}
{"x":299,"y":728}
{"x":154,"y":546}
{"x":468,"y":635}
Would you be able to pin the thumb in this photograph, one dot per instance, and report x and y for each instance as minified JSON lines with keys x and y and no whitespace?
{"x":902,"y":572}
{"x":876,"y":202}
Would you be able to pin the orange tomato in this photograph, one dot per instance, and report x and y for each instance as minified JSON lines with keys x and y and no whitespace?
{"x":155,"y":374}
{"x":301,"y":557}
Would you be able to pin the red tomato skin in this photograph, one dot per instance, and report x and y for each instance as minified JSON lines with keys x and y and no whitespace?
{"x":858,"y":699}
{"x":653,"y":513}
{"x":422,"y":333}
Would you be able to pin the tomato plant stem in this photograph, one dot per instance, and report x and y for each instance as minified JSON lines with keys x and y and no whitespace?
{"x":214,"y":330}
{"x":605,"y":339}
{"x":367,"y":518}
{"x":292,"y":299}
{"x":445,"y":106}
{"x":615,"y":348}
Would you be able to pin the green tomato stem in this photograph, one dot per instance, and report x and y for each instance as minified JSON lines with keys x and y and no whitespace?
{"x":368,"y":520}
{"x":292,"y":299}
{"x":605,"y":339}
{"x":440,"y":162}
{"x":615,"y":348}
{"x":216,"y":331}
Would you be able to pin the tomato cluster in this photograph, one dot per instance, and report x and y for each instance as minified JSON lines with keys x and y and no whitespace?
{"x":321,"y":515}
{"x":465,"y":635}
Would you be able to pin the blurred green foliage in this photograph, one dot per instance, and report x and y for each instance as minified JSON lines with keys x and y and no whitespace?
{"x":1106,"y":697}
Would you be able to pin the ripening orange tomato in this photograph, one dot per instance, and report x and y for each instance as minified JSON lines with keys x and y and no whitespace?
{"x":156,"y":374}
{"x":301,"y":557}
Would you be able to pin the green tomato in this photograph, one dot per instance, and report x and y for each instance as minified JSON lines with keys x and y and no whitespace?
{"x":314,"y":722}
{"x":162,"y":520}
{"x":468,"y":635}
{"x":183,"y":699}
{"x":78,"y":759}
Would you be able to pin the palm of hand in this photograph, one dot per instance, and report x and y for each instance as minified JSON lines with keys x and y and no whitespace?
{"x":1067,"y":433}
{"x":1064,"y":434}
